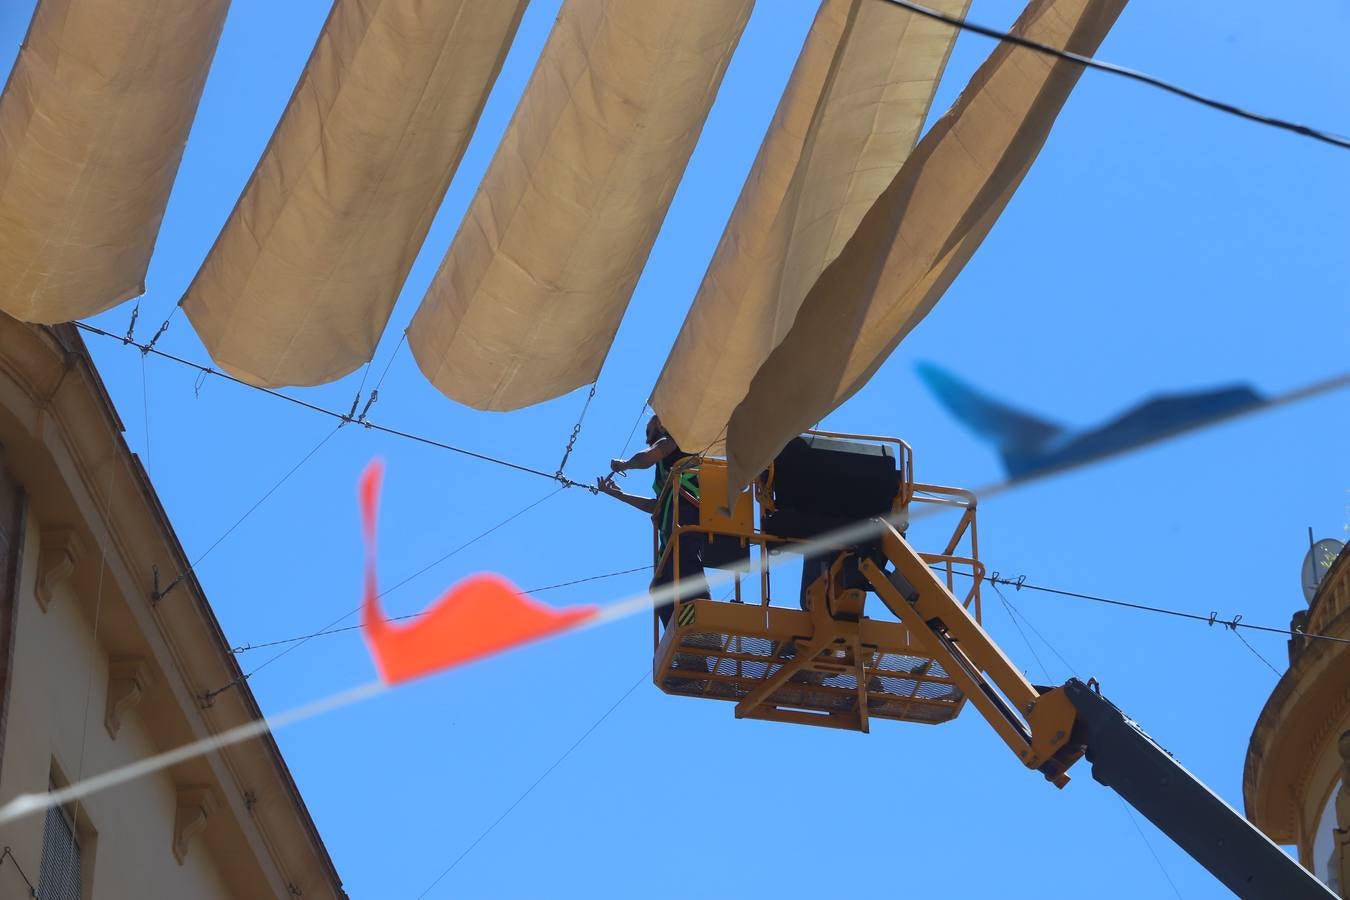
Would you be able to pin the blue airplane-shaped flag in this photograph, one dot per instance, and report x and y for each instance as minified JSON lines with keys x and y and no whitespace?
{"x":1031,"y":446}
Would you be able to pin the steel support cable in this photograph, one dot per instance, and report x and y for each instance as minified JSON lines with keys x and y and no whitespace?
{"x":375,"y":392}
{"x":1212,"y":619}
{"x":145,"y":413}
{"x":1257,"y":653}
{"x":1007,"y":607}
{"x":159,"y":594}
{"x":639,"y":603}
{"x":244,"y":648}
{"x":403,"y":339}
{"x":1017,"y":613}
{"x":313,"y":407}
{"x":18,"y":868}
{"x":159,"y":332}
{"x":428,"y":567}
{"x":1149,"y":844}
{"x":632,"y":431}
{"x":995,"y":580}
{"x":1088,"y":62}
{"x":356,"y":399}
{"x":576,"y":433}
{"x":557,"y":762}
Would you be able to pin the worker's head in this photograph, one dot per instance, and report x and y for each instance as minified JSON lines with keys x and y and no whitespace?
{"x":655,"y":430}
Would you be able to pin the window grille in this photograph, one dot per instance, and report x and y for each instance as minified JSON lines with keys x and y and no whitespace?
{"x":59,"y":878}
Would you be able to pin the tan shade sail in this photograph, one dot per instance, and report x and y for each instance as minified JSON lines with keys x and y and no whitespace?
{"x":529,"y":296}
{"x":919,"y":234}
{"x":301,"y":281}
{"x":92,"y":127}
{"x":849,"y":117}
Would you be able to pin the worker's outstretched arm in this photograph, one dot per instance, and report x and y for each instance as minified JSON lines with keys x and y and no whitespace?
{"x":645,"y":459}
{"x":606,"y":486}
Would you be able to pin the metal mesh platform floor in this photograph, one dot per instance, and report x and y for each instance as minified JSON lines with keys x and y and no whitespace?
{"x":725,"y":652}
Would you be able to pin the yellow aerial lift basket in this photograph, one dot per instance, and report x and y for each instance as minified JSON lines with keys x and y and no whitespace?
{"x":843,"y":503}
{"x":825,"y":663}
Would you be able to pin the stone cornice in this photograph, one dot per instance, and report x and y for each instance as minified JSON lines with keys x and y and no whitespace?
{"x":1332,"y":597}
{"x":1297,"y":730}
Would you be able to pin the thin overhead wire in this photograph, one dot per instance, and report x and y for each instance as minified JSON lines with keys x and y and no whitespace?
{"x":422,"y":571}
{"x":160,"y":594}
{"x":159,"y":332}
{"x":1017,"y":613}
{"x":1007,"y":607}
{"x":1257,"y":653}
{"x":145,"y":412}
{"x":113,"y":463}
{"x":360,"y":389}
{"x":403,"y":339}
{"x":263,"y":499}
{"x":313,"y":407}
{"x":1149,"y":844}
{"x":633,"y":604}
{"x":1212,"y":619}
{"x":557,"y":762}
{"x":10,"y":853}
{"x":632,"y":431}
{"x":654,"y":597}
{"x":30,"y":804}
{"x":375,"y":391}
{"x":1088,"y":62}
{"x":244,"y":648}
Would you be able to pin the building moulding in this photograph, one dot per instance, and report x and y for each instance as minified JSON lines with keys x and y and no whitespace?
{"x":196,"y":803}
{"x":128,"y":677}
{"x":59,"y":552}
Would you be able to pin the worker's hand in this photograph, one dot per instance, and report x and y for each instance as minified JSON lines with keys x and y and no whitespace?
{"x":618,"y":465}
{"x":606,"y":485}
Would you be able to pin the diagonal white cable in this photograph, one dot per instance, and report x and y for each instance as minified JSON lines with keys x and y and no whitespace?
{"x":29,"y":804}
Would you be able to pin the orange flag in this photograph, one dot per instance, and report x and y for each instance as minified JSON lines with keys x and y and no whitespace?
{"x":480,"y":616}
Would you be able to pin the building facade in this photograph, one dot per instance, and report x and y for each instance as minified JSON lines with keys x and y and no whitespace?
{"x":1297,"y":780}
{"x":102,"y":664}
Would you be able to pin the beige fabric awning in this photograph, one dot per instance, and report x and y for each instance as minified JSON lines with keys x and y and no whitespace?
{"x":301,"y":281}
{"x":93,"y":123}
{"x":919,"y":234}
{"x":849,"y":117}
{"x":532,"y":290}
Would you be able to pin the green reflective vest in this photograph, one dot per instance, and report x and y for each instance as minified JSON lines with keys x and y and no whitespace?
{"x":666,"y":490}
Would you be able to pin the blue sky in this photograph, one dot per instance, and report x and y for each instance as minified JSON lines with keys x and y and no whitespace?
{"x":1155,"y":246}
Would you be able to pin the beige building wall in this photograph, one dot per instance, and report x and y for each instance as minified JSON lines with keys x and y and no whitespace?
{"x":96,"y":673}
{"x":1297,"y":780}
{"x":129,"y":828}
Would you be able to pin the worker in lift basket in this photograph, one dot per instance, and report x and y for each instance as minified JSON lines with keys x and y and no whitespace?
{"x":677,"y":497}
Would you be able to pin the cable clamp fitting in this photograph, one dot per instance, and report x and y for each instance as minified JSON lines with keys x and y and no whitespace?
{"x":145,"y":349}
{"x":208,"y":699}
{"x":370,"y":401}
{"x":129,"y":338}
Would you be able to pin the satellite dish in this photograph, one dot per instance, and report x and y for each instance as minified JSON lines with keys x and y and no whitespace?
{"x":1316,"y":564}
